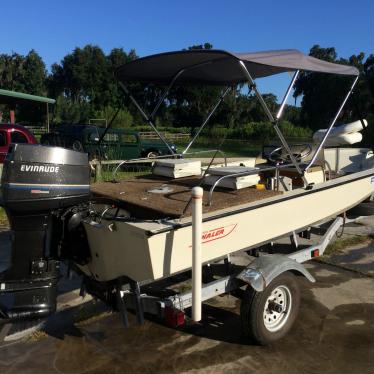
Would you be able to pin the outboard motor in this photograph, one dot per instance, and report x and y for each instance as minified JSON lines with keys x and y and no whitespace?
{"x":38,"y":184}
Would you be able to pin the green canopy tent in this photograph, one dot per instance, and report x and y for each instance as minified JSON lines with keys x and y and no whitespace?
{"x":13,"y":97}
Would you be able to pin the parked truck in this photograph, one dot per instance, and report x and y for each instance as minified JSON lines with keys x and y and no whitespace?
{"x":116,"y":144}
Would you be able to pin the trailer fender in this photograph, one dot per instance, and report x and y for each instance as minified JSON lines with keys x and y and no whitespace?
{"x":265,"y":268}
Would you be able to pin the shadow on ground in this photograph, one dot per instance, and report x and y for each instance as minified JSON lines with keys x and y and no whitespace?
{"x":324,"y":338}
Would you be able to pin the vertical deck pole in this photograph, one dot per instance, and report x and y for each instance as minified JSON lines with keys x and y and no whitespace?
{"x":47,"y":117}
{"x":197,"y":217}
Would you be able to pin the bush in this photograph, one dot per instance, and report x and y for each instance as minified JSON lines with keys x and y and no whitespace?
{"x":123,"y":119}
{"x":173,"y":130}
{"x":71,"y":112}
{"x":259,"y":131}
{"x":290,"y":130}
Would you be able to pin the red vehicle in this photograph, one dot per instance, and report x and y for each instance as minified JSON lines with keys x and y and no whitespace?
{"x":12,"y":133}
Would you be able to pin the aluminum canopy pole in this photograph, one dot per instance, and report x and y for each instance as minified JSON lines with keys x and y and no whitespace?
{"x":285,"y":98}
{"x":254,"y":88}
{"x":168,"y":88}
{"x":148,"y":119}
{"x":47,"y":117}
{"x":206,"y":120}
{"x":271,"y":118}
{"x":171,"y":84}
{"x":331,"y":126}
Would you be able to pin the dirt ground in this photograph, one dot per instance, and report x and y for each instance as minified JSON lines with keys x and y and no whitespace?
{"x":333,"y":334}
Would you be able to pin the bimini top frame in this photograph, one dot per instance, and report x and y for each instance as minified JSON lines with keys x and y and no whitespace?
{"x":218,"y":67}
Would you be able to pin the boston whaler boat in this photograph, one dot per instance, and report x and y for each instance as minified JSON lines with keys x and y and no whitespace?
{"x":127,"y":235}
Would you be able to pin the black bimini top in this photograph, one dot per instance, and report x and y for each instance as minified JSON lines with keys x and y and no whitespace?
{"x":218,"y":67}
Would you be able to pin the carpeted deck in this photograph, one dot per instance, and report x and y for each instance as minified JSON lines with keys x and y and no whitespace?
{"x":133,"y":195}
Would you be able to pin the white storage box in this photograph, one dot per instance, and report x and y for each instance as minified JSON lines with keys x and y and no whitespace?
{"x":179,"y":168}
{"x":234,"y":183}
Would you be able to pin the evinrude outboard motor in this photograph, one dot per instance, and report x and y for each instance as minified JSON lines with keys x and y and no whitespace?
{"x":38,"y":184}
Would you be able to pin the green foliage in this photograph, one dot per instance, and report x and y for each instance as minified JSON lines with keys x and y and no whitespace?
{"x":169,"y":129}
{"x":122,"y":120}
{"x":322,"y":94}
{"x":34,"y":74}
{"x":263,"y":131}
{"x":25,"y":74}
{"x":82,"y":76}
{"x":70,"y":111}
{"x":85,"y":88}
{"x":3,"y":218}
{"x":339,"y":245}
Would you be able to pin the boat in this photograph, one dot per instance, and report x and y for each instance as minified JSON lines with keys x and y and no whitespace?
{"x":150,"y":250}
{"x":126,"y":236}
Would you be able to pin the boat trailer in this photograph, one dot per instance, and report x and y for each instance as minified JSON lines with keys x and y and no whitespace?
{"x":162,"y":300}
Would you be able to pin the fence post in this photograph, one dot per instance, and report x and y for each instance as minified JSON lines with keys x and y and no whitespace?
{"x":98,"y":174}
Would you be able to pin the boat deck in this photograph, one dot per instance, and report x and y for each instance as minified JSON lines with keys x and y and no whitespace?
{"x":133,"y":195}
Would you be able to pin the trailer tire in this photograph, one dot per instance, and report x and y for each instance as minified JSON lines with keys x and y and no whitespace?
{"x":263,"y":323}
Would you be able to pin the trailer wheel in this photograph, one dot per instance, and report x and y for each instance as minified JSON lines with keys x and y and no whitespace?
{"x":269,"y":315}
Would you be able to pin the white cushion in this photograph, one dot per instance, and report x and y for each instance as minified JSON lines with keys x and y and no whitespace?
{"x":235,"y":183}
{"x":177,"y":168}
{"x":225,"y":170}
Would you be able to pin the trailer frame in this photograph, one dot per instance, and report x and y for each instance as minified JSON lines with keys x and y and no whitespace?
{"x":258,"y":274}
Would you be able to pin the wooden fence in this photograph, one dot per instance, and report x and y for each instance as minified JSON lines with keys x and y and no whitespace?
{"x":97,"y":166}
{"x":166,"y":135}
{"x":37,"y":130}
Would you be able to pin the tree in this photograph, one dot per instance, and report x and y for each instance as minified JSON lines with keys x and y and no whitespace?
{"x":34,"y":74}
{"x":85,"y":78}
{"x":190,"y":105}
{"x":24,"y":74}
{"x":82,"y":76}
{"x":322,"y":94}
{"x":11,"y":71}
{"x":115,"y":59}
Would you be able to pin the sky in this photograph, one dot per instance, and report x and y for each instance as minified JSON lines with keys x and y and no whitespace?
{"x":55,"y":28}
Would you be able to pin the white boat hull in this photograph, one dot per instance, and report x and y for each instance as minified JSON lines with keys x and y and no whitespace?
{"x":153,"y":250}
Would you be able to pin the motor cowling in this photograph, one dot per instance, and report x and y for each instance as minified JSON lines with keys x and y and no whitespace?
{"x":38,"y":183}
{"x":39,"y":178}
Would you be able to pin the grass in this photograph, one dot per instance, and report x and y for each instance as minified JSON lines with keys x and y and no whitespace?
{"x":85,"y":317}
{"x":3,"y":217}
{"x":338,"y":245}
{"x":37,"y":336}
{"x":107,"y":175}
{"x":185,"y":286}
{"x":231,"y":148}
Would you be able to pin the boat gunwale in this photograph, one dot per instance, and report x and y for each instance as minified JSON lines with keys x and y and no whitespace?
{"x":172,"y":225}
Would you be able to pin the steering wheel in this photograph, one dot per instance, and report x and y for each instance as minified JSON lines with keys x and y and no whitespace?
{"x":280,"y":154}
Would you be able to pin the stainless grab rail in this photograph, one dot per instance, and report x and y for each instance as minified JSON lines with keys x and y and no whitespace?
{"x":243,"y":174}
{"x":175,"y":155}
